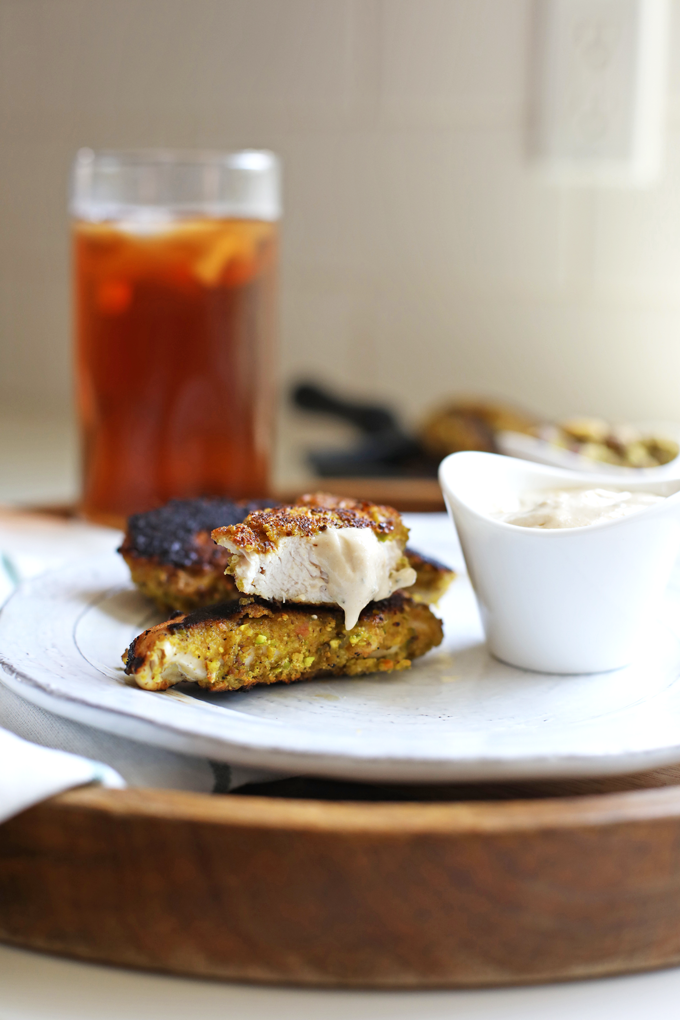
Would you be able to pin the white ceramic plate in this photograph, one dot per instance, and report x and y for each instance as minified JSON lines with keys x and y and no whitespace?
{"x":457,"y":715}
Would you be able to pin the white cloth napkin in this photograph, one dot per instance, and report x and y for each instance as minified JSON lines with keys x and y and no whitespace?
{"x":41,"y":753}
{"x":31,"y":773}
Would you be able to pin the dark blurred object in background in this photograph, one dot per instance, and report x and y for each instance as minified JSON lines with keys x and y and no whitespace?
{"x":385,"y":450}
{"x":472,"y":424}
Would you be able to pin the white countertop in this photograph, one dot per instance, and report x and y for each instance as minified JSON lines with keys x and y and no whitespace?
{"x":36,"y":987}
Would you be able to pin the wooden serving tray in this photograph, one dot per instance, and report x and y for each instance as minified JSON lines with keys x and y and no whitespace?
{"x":447,"y":887}
{"x":314,"y":882}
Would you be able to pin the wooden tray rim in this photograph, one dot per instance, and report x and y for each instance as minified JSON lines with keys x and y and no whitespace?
{"x":451,"y":817}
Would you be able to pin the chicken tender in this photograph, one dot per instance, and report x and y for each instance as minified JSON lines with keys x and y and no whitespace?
{"x":344,"y":556}
{"x":172,"y":558}
{"x":174,"y":561}
{"x":248,"y":641}
{"x":432,"y":577}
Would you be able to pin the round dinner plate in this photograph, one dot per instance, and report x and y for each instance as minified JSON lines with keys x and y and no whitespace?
{"x":458,"y":714}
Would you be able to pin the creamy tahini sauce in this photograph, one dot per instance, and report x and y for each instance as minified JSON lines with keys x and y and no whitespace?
{"x":574,"y":508}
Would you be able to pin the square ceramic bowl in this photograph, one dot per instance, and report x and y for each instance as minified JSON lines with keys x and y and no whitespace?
{"x":572,"y":600}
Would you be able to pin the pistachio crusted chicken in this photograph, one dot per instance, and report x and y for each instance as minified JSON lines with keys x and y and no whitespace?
{"x":249,"y":641}
{"x":433,"y":579}
{"x":343,"y":556}
{"x":174,"y":561}
{"x":320,"y":580}
{"x":172,"y":558}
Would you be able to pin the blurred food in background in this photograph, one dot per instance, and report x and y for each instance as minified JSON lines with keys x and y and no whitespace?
{"x":387,"y":449}
{"x":623,"y":445}
{"x":472,"y":424}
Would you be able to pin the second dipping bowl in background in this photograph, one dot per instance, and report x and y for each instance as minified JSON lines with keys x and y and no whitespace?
{"x":573,"y":600}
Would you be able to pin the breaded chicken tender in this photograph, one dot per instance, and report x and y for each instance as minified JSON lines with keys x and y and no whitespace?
{"x":346,"y":556}
{"x":174,"y":561}
{"x":433,"y":578}
{"x":248,"y":641}
{"x":172,"y":558}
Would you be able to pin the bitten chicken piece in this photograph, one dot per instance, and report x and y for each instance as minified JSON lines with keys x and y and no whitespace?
{"x":174,"y":561}
{"x":248,"y":641}
{"x":433,"y":578}
{"x":346,"y":556}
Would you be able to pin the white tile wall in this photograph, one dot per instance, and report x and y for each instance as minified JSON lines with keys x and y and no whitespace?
{"x":421,"y":254}
{"x":448,"y":61}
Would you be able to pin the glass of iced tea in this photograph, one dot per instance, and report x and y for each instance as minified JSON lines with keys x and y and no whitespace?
{"x":175,"y":269}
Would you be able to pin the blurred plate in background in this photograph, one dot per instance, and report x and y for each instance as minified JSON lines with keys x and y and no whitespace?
{"x":541,"y":451}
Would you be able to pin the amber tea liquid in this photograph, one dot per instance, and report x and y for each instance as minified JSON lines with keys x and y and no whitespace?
{"x":174,"y":361}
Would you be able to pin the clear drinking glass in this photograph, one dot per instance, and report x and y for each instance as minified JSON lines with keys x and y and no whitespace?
{"x":175,"y":268}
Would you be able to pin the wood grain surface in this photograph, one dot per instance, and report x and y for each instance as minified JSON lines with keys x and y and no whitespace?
{"x":374,"y":894}
{"x":416,"y":494}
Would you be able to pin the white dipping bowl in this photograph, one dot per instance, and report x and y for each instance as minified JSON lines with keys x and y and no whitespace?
{"x":572,"y":600}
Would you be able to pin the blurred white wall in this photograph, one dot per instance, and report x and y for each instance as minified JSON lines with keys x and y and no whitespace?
{"x":421,"y":256}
